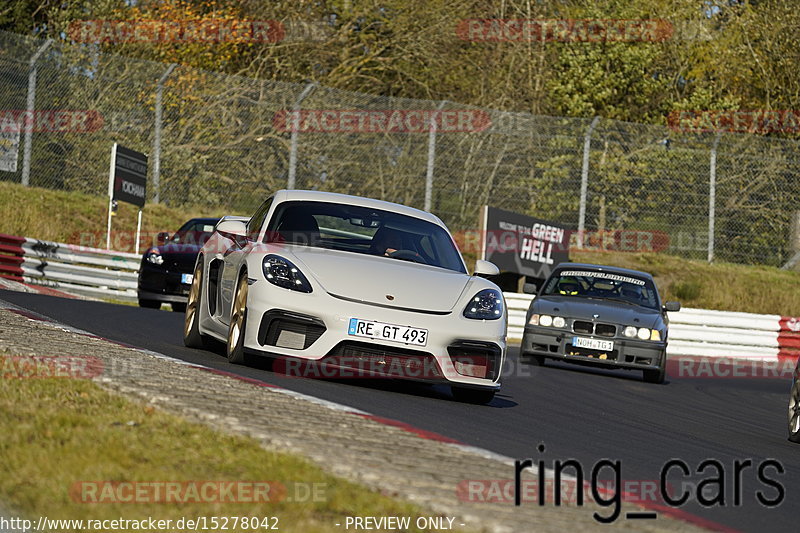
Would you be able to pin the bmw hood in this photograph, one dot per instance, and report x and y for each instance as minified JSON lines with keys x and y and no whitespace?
{"x":382,"y":280}
{"x":607,"y":311}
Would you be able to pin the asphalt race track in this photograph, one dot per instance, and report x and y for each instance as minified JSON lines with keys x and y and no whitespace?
{"x":576,"y":412}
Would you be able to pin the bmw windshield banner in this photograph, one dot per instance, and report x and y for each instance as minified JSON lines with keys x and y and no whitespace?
{"x":130,"y":176}
{"x":521,"y":244}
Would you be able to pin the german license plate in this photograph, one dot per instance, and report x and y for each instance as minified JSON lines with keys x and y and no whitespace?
{"x":387,"y":332}
{"x":593,"y":344}
{"x":187,"y":279}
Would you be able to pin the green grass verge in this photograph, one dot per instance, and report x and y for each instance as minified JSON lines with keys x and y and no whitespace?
{"x":57,"y":432}
{"x":80,"y":219}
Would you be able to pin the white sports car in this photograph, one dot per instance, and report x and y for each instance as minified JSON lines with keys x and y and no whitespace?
{"x":364,"y":287}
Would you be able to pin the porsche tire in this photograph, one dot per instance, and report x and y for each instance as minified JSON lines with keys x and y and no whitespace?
{"x":192,"y":337}
{"x":236,"y":330}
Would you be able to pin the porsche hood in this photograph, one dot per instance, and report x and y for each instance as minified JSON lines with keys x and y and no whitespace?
{"x":384,"y":281}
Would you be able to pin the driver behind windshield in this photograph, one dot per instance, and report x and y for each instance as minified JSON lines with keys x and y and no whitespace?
{"x":386,"y":241}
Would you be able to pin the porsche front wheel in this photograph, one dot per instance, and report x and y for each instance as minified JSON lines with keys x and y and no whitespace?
{"x":191,"y":325}
{"x":235,"y":349}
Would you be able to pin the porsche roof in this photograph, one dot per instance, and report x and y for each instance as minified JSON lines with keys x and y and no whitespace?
{"x":285,"y":195}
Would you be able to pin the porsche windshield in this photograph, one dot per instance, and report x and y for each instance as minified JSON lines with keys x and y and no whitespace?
{"x":365,"y":231}
{"x":603,"y":285}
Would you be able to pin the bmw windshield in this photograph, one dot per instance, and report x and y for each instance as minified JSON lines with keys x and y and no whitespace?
{"x":603,"y":285}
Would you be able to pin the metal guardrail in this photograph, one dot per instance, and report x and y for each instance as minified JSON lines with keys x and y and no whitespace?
{"x":703,"y":332}
{"x":75,"y":269}
{"x":113,"y":275}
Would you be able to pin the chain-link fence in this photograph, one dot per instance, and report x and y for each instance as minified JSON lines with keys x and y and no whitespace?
{"x":221,"y":141}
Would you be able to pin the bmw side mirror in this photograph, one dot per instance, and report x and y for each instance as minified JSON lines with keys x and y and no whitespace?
{"x":485,"y":268}
{"x":672,"y":306}
{"x":162,"y":237}
{"x":529,"y":288}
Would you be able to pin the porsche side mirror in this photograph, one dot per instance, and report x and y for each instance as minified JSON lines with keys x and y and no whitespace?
{"x":529,"y":288}
{"x":672,"y":306}
{"x":162,"y":237}
{"x":232,"y":227}
{"x":486,"y":268}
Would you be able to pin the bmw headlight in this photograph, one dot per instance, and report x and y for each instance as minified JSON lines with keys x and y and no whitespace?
{"x":283,"y":273}
{"x":547,"y":321}
{"x":486,"y":305}
{"x":644,"y":334}
{"x":154,"y":256}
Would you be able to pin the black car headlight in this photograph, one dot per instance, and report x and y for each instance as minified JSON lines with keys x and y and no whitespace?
{"x":154,"y":256}
{"x":486,"y":305}
{"x":283,"y":273}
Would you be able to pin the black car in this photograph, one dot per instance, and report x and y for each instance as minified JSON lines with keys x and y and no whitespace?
{"x":165,"y":274}
{"x":599,"y":315}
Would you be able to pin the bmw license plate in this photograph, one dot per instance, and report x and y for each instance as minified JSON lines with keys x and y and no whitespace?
{"x":187,"y":279}
{"x":593,"y":344}
{"x":387,"y":332}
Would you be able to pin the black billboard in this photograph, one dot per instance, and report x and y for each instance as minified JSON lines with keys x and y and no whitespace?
{"x":521,"y":244}
{"x":130,"y":176}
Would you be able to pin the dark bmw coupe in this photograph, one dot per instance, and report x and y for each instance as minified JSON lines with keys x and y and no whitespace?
{"x":165,"y":274}
{"x":602,"y":316}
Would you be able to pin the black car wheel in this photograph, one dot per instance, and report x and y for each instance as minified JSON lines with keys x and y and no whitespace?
{"x":477,"y":396}
{"x":794,"y":412}
{"x":150,"y":304}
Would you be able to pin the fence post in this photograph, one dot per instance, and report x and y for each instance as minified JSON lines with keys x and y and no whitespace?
{"x":587,"y":145}
{"x":712,"y":197}
{"x":431,"y":157}
{"x":295,"y":130}
{"x":157,"y":135}
{"x":26,"y":154}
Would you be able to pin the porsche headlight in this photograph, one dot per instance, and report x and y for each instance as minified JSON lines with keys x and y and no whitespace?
{"x":154,"y":256}
{"x":486,"y":305}
{"x":283,"y":273}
